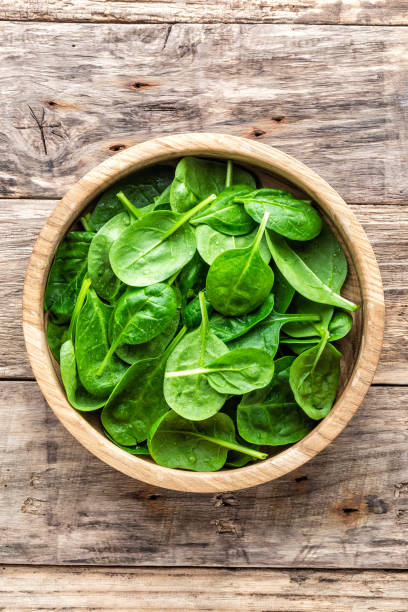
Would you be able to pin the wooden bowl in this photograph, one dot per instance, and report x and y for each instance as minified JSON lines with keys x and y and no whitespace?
{"x":361,"y":349}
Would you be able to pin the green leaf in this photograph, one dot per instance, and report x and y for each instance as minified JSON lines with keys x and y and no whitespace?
{"x":140,"y":187}
{"x":240,"y":280}
{"x":132,"y":407}
{"x":301,"y":277}
{"x":270,"y":415}
{"x":314,"y":379}
{"x":282,"y":291}
{"x":92,"y":346}
{"x":191,"y":279}
{"x":136,"y":449}
{"x":56,"y":336}
{"x":195,"y":179}
{"x":78,"y":397}
{"x":225,"y":215}
{"x":192,"y":312}
{"x":229,"y":328}
{"x":104,"y":280}
{"x":211,"y":243}
{"x":155,"y":247}
{"x":130,"y":353}
{"x":141,"y":314}
{"x":193,"y":397}
{"x":288,"y":216}
{"x":66,"y":275}
{"x":201,"y":446}
{"x":236,"y":372}
{"x":265,"y":335}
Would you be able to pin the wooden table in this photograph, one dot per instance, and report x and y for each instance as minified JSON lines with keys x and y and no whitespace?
{"x":324,"y":81}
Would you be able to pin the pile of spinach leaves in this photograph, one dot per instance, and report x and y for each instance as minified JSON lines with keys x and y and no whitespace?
{"x":197,"y":314}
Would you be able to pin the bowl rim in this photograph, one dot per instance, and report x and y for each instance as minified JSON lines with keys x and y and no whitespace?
{"x":241,"y":150}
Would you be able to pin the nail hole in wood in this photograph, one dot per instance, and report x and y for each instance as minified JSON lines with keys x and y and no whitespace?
{"x":278,"y":119}
{"x":350,"y":510}
{"x":117,"y":147}
{"x":301,"y":478}
{"x":257,"y":133}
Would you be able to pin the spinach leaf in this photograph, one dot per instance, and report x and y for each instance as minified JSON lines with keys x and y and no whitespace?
{"x":340,"y":325}
{"x":140,"y":187}
{"x":201,"y":446}
{"x":140,"y":315}
{"x":191,"y":279}
{"x":301,"y":277}
{"x":265,"y":335}
{"x":282,"y":291}
{"x":314,"y":378}
{"x":56,"y":336}
{"x":92,"y":346}
{"x":239,"y":371}
{"x":104,"y":281}
{"x":155,"y":247}
{"x":225,"y":215}
{"x":229,"y":328}
{"x":288,"y":216}
{"x":270,"y":415}
{"x":78,"y":397}
{"x":195,"y":179}
{"x":132,"y":407}
{"x":191,"y":313}
{"x":136,"y":449}
{"x":240,"y":280}
{"x":211,"y":243}
{"x":130,"y":353}
{"x":193,"y":397}
{"x":66,"y":275}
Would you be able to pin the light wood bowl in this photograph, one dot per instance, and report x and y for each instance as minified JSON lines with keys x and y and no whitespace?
{"x":361,"y":349}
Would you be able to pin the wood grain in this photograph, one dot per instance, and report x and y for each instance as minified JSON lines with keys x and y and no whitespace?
{"x":385,"y":12}
{"x":387,"y":229}
{"x":347,"y":508}
{"x":334,"y":97}
{"x":363,"y":286}
{"x":146,"y":590}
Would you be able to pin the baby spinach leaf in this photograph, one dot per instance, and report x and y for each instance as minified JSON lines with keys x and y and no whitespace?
{"x":130,"y":353}
{"x":240,"y":280}
{"x":136,"y":449}
{"x":201,"y":446}
{"x":155,"y":247}
{"x":78,"y":397}
{"x":340,"y":325}
{"x":132,"y":407}
{"x":193,"y":397}
{"x":265,"y":335}
{"x":301,"y":277}
{"x":66,"y":275}
{"x":225,"y":215}
{"x":140,"y":187}
{"x":140,"y":315}
{"x":211,"y":243}
{"x":192,"y":312}
{"x":236,"y":372}
{"x":104,"y":281}
{"x":195,"y":179}
{"x":288,"y":216}
{"x":191,"y":279}
{"x":229,"y":328}
{"x":56,"y":336}
{"x":270,"y":415}
{"x":314,"y":379}
{"x":92,"y":346}
{"x":282,"y":291}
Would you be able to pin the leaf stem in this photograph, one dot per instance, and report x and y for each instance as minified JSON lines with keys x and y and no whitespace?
{"x":260,"y":231}
{"x":173,"y":278}
{"x":86,"y":283}
{"x":85,"y":222}
{"x":187,"y":216}
{"x":131,"y":208}
{"x":191,"y":372}
{"x":226,"y":444}
{"x":230,"y":170}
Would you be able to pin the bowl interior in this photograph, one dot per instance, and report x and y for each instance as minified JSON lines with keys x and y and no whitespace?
{"x":349,"y":346}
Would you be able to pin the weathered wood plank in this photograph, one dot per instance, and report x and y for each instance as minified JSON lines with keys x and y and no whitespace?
{"x":385,"y":12}
{"x":335,"y":97}
{"x":347,"y":508}
{"x":78,"y":588}
{"x":387,"y":228}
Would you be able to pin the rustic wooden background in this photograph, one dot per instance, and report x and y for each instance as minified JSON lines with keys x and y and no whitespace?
{"x":325,"y":81}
